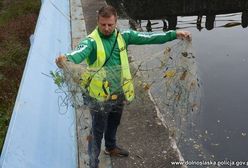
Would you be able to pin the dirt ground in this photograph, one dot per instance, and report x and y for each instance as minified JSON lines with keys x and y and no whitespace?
{"x":144,"y":136}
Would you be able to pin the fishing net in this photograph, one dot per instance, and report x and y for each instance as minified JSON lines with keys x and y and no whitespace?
{"x":169,"y":77}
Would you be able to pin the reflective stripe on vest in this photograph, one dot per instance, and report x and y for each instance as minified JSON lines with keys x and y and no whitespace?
{"x":99,"y":86}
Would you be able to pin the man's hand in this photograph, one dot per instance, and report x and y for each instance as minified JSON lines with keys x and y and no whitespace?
{"x":60,"y":61}
{"x":184,"y":35}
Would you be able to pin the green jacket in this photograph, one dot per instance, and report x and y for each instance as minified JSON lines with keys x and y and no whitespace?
{"x":87,"y":50}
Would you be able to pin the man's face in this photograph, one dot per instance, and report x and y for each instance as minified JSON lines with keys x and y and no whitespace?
{"x":106,"y":25}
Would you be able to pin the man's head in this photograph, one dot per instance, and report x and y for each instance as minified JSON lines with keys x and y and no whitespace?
{"x":106,"y":21}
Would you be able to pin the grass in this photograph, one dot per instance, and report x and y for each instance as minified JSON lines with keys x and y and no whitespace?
{"x":11,"y":9}
{"x":17,"y":22}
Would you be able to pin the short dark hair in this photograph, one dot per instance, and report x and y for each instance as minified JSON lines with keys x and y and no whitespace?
{"x":107,"y":11}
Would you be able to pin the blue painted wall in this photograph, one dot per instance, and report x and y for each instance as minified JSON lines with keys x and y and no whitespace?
{"x":39,"y":136}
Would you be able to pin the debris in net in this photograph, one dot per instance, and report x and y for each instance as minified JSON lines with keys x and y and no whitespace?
{"x":171,"y":76}
{"x":178,"y":93}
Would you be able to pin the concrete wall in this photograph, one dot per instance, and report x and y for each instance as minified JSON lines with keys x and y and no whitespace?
{"x":41,"y":134}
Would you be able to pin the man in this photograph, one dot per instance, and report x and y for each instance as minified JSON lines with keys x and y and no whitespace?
{"x":110,"y":83}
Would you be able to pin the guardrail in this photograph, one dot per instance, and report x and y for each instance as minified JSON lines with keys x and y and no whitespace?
{"x":40,"y":134}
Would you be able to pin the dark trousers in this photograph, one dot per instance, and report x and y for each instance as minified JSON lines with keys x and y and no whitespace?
{"x":105,"y":121}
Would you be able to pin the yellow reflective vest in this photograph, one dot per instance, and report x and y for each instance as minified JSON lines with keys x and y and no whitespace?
{"x":95,"y":80}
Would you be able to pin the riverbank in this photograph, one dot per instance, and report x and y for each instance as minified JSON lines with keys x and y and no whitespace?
{"x":17,"y":22}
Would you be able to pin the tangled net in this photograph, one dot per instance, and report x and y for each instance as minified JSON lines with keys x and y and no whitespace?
{"x":170,"y":76}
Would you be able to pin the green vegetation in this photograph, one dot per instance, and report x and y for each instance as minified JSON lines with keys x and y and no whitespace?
{"x":58,"y":78}
{"x":13,"y":9}
{"x":17,"y":22}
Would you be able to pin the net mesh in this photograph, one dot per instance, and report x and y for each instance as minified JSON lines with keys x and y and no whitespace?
{"x":169,"y":76}
{"x":175,"y":86}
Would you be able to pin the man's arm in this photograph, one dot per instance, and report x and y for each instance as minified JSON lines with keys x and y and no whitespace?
{"x":82,"y":51}
{"x":139,"y":38}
